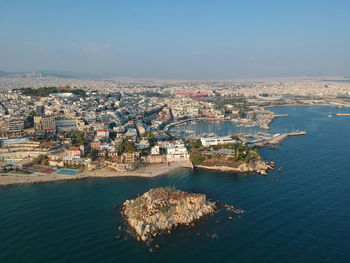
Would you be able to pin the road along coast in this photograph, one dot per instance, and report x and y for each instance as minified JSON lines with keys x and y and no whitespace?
{"x":150,"y":170}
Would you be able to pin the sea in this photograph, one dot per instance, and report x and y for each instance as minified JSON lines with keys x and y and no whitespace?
{"x":298,"y":214}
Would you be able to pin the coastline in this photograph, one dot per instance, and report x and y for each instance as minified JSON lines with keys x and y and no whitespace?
{"x":219,"y":168}
{"x":148,"y":171}
{"x":260,"y":167}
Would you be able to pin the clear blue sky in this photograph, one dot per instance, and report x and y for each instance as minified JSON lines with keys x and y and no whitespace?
{"x":179,"y":39}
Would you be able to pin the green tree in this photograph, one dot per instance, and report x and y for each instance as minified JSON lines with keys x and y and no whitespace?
{"x":196,"y":144}
{"x":46,"y":91}
{"x":112,"y":135}
{"x":235,"y":138}
{"x":125,"y":146}
{"x":129,"y":146}
{"x":78,"y":138}
{"x":197,"y":158}
{"x":41,"y":159}
{"x":119,"y":148}
{"x":93,"y":154}
{"x":150,"y":138}
{"x":112,"y":125}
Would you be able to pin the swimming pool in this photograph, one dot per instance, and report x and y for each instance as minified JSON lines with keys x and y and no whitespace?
{"x":67,"y":171}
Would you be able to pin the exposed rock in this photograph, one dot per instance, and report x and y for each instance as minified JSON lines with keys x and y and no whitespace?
{"x":162,"y":209}
{"x":258,"y":166}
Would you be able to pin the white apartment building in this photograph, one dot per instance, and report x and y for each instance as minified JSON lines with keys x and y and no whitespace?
{"x":210,"y":141}
{"x":177,"y":152}
{"x":155,"y":150}
{"x":102,"y":134}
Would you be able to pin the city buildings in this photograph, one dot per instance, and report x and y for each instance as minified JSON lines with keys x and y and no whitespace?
{"x":90,"y":119}
{"x":177,"y":152}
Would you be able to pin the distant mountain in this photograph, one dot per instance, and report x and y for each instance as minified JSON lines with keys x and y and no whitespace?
{"x":61,"y":74}
{"x":80,"y":75}
{"x":20,"y":74}
{"x":6,"y":74}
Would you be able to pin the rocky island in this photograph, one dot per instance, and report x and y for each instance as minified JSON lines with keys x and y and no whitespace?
{"x":163,"y":209}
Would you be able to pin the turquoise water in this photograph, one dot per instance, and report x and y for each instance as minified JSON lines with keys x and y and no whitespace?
{"x":303,"y":217}
{"x":67,"y":171}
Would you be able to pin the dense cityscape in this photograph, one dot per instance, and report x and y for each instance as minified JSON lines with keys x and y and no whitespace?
{"x":66,"y":129}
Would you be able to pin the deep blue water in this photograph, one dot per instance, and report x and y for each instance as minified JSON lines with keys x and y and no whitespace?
{"x":303,"y":217}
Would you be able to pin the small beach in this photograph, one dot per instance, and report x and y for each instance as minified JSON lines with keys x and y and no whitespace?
{"x":149,"y":170}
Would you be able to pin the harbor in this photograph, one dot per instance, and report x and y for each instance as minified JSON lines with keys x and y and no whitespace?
{"x":251,"y":134}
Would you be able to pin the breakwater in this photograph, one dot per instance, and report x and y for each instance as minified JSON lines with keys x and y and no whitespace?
{"x":343,"y":114}
{"x":276,"y":139}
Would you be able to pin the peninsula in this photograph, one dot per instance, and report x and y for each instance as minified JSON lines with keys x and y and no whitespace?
{"x":227,"y":154}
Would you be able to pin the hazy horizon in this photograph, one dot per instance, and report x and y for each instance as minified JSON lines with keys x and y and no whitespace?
{"x":115,"y":76}
{"x":201,"y":40}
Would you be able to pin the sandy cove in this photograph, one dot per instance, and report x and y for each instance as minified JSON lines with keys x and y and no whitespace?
{"x":150,"y":170}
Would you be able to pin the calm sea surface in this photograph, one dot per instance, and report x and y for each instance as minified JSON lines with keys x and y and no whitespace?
{"x":303,"y":217}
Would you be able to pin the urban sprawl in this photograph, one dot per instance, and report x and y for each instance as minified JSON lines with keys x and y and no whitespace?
{"x":59,"y":126}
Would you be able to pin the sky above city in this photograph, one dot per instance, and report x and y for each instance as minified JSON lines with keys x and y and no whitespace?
{"x":182,"y":39}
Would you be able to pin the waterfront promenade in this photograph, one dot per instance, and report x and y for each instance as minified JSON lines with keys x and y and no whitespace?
{"x":150,"y":170}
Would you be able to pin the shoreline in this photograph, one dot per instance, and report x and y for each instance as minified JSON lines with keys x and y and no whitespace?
{"x":259,"y":167}
{"x":147,"y":171}
{"x":219,"y":168}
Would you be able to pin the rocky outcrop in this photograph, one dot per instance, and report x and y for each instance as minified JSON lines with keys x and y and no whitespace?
{"x":162,"y":209}
{"x":258,"y":166}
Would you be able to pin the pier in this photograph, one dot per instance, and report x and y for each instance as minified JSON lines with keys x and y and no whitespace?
{"x":275,"y":139}
{"x":343,"y":114}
